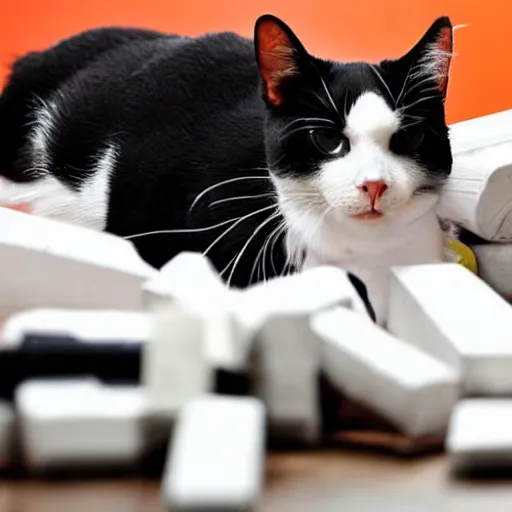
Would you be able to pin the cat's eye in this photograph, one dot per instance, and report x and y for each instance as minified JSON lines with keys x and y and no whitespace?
{"x":415,"y":139}
{"x":330,"y":141}
{"x":407,"y":141}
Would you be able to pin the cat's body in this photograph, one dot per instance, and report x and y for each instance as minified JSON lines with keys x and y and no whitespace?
{"x":134,"y":132}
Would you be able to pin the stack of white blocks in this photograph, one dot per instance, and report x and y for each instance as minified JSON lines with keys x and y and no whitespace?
{"x":444,"y":363}
{"x":479,"y":193}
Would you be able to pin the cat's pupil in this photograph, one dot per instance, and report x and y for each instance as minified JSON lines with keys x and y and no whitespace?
{"x":329,"y":141}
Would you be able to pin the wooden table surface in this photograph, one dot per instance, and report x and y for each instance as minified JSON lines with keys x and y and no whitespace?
{"x":330,"y":481}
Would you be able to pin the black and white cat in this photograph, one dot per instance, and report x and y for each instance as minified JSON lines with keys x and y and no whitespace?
{"x":257,"y":154}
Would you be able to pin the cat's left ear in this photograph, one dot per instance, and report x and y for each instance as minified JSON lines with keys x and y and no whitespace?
{"x":279,"y":55}
{"x":431,"y":56}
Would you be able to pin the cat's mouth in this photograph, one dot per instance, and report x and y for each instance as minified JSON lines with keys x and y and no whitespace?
{"x":370,"y":215}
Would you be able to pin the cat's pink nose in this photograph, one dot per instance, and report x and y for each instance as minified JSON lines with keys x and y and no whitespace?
{"x":374,"y":189}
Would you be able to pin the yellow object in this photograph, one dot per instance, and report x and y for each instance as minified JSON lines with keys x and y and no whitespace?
{"x":462,"y":254}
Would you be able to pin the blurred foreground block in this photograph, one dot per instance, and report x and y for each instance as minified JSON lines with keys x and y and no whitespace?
{"x":46,"y":263}
{"x":216,"y":457}
{"x":408,"y":387}
{"x":80,"y":423}
{"x":446,"y":310}
{"x":480,"y":435}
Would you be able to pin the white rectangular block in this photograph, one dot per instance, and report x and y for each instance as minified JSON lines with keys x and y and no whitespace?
{"x":405,"y":385}
{"x":7,"y":434}
{"x":477,"y":194}
{"x":80,"y":423}
{"x":494,"y":264}
{"x":481,"y":132}
{"x":446,"y":310}
{"x":190,"y":281}
{"x":84,"y":325}
{"x":46,"y":263}
{"x":286,"y":368}
{"x":303,"y":293}
{"x":175,"y":363}
{"x":480,"y":434}
{"x":286,"y":371}
{"x":216,"y":456}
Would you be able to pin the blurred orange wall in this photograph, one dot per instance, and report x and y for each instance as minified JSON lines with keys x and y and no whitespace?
{"x":481,"y":80}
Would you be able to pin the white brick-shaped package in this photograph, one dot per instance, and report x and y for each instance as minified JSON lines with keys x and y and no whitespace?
{"x":477,"y":194}
{"x":413,"y":390}
{"x":216,"y":456}
{"x":306,"y":292}
{"x":7,"y":434}
{"x":446,"y":310}
{"x":190,"y":279}
{"x":480,"y":434}
{"x":83,"y":325}
{"x":494,"y":264}
{"x":175,"y":363}
{"x":46,"y":263}
{"x":286,"y":374}
{"x":287,"y":363}
{"x":80,"y":423}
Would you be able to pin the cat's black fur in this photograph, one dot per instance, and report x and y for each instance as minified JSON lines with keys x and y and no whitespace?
{"x":186,"y":114}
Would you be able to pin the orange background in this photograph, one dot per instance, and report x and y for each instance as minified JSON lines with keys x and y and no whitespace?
{"x":481,"y":80}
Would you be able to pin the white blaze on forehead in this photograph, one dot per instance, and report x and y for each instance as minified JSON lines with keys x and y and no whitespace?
{"x":371,"y":117}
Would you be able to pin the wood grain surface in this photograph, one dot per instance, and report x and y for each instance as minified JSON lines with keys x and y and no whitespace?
{"x":329,"y":481}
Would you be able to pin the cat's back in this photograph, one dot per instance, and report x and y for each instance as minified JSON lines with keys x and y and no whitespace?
{"x":214,"y":70}
{"x":181,"y":92}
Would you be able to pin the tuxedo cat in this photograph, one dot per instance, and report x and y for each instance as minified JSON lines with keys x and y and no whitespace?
{"x":256,"y":153}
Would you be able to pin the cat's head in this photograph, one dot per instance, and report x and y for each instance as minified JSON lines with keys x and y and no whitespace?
{"x":362,"y":144}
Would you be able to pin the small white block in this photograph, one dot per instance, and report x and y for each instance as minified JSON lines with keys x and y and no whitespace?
{"x":191,"y":280}
{"x":494,"y":264}
{"x":80,"y":422}
{"x":480,"y":434}
{"x":303,"y":293}
{"x":481,"y":132}
{"x":446,"y":310}
{"x":46,"y":263}
{"x":7,"y":421}
{"x":216,"y":456}
{"x":175,"y":362}
{"x":286,"y":370}
{"x":405,"y":385}
{"x":86,"y":325}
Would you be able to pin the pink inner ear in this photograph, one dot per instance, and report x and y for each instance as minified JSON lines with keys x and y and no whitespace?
{"x":445,"y":46}
{"x":276,"y":58}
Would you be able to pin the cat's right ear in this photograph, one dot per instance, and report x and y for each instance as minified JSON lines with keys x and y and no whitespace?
{"x":279,"y":54}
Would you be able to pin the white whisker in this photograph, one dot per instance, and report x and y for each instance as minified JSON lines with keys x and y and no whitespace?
{"x":309,"y":120}
{"x":261,"y":254}
{"x":420,"y":84}
{"x":256,"y":231}
{"x":225,"y":182}
{"x":245,"y":217}
{"x":404,"y":85}
{"x":221,"y":273}
{"x":178,"y":231}
{"x":329,"y":95}
{"x":421,"y":100}
{"x":274,"y":236}
{"x":379,"y":76}
{"x":237,"y":198}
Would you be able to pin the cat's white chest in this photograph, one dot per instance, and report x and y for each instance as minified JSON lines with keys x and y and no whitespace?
{"x":421,"y":243}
